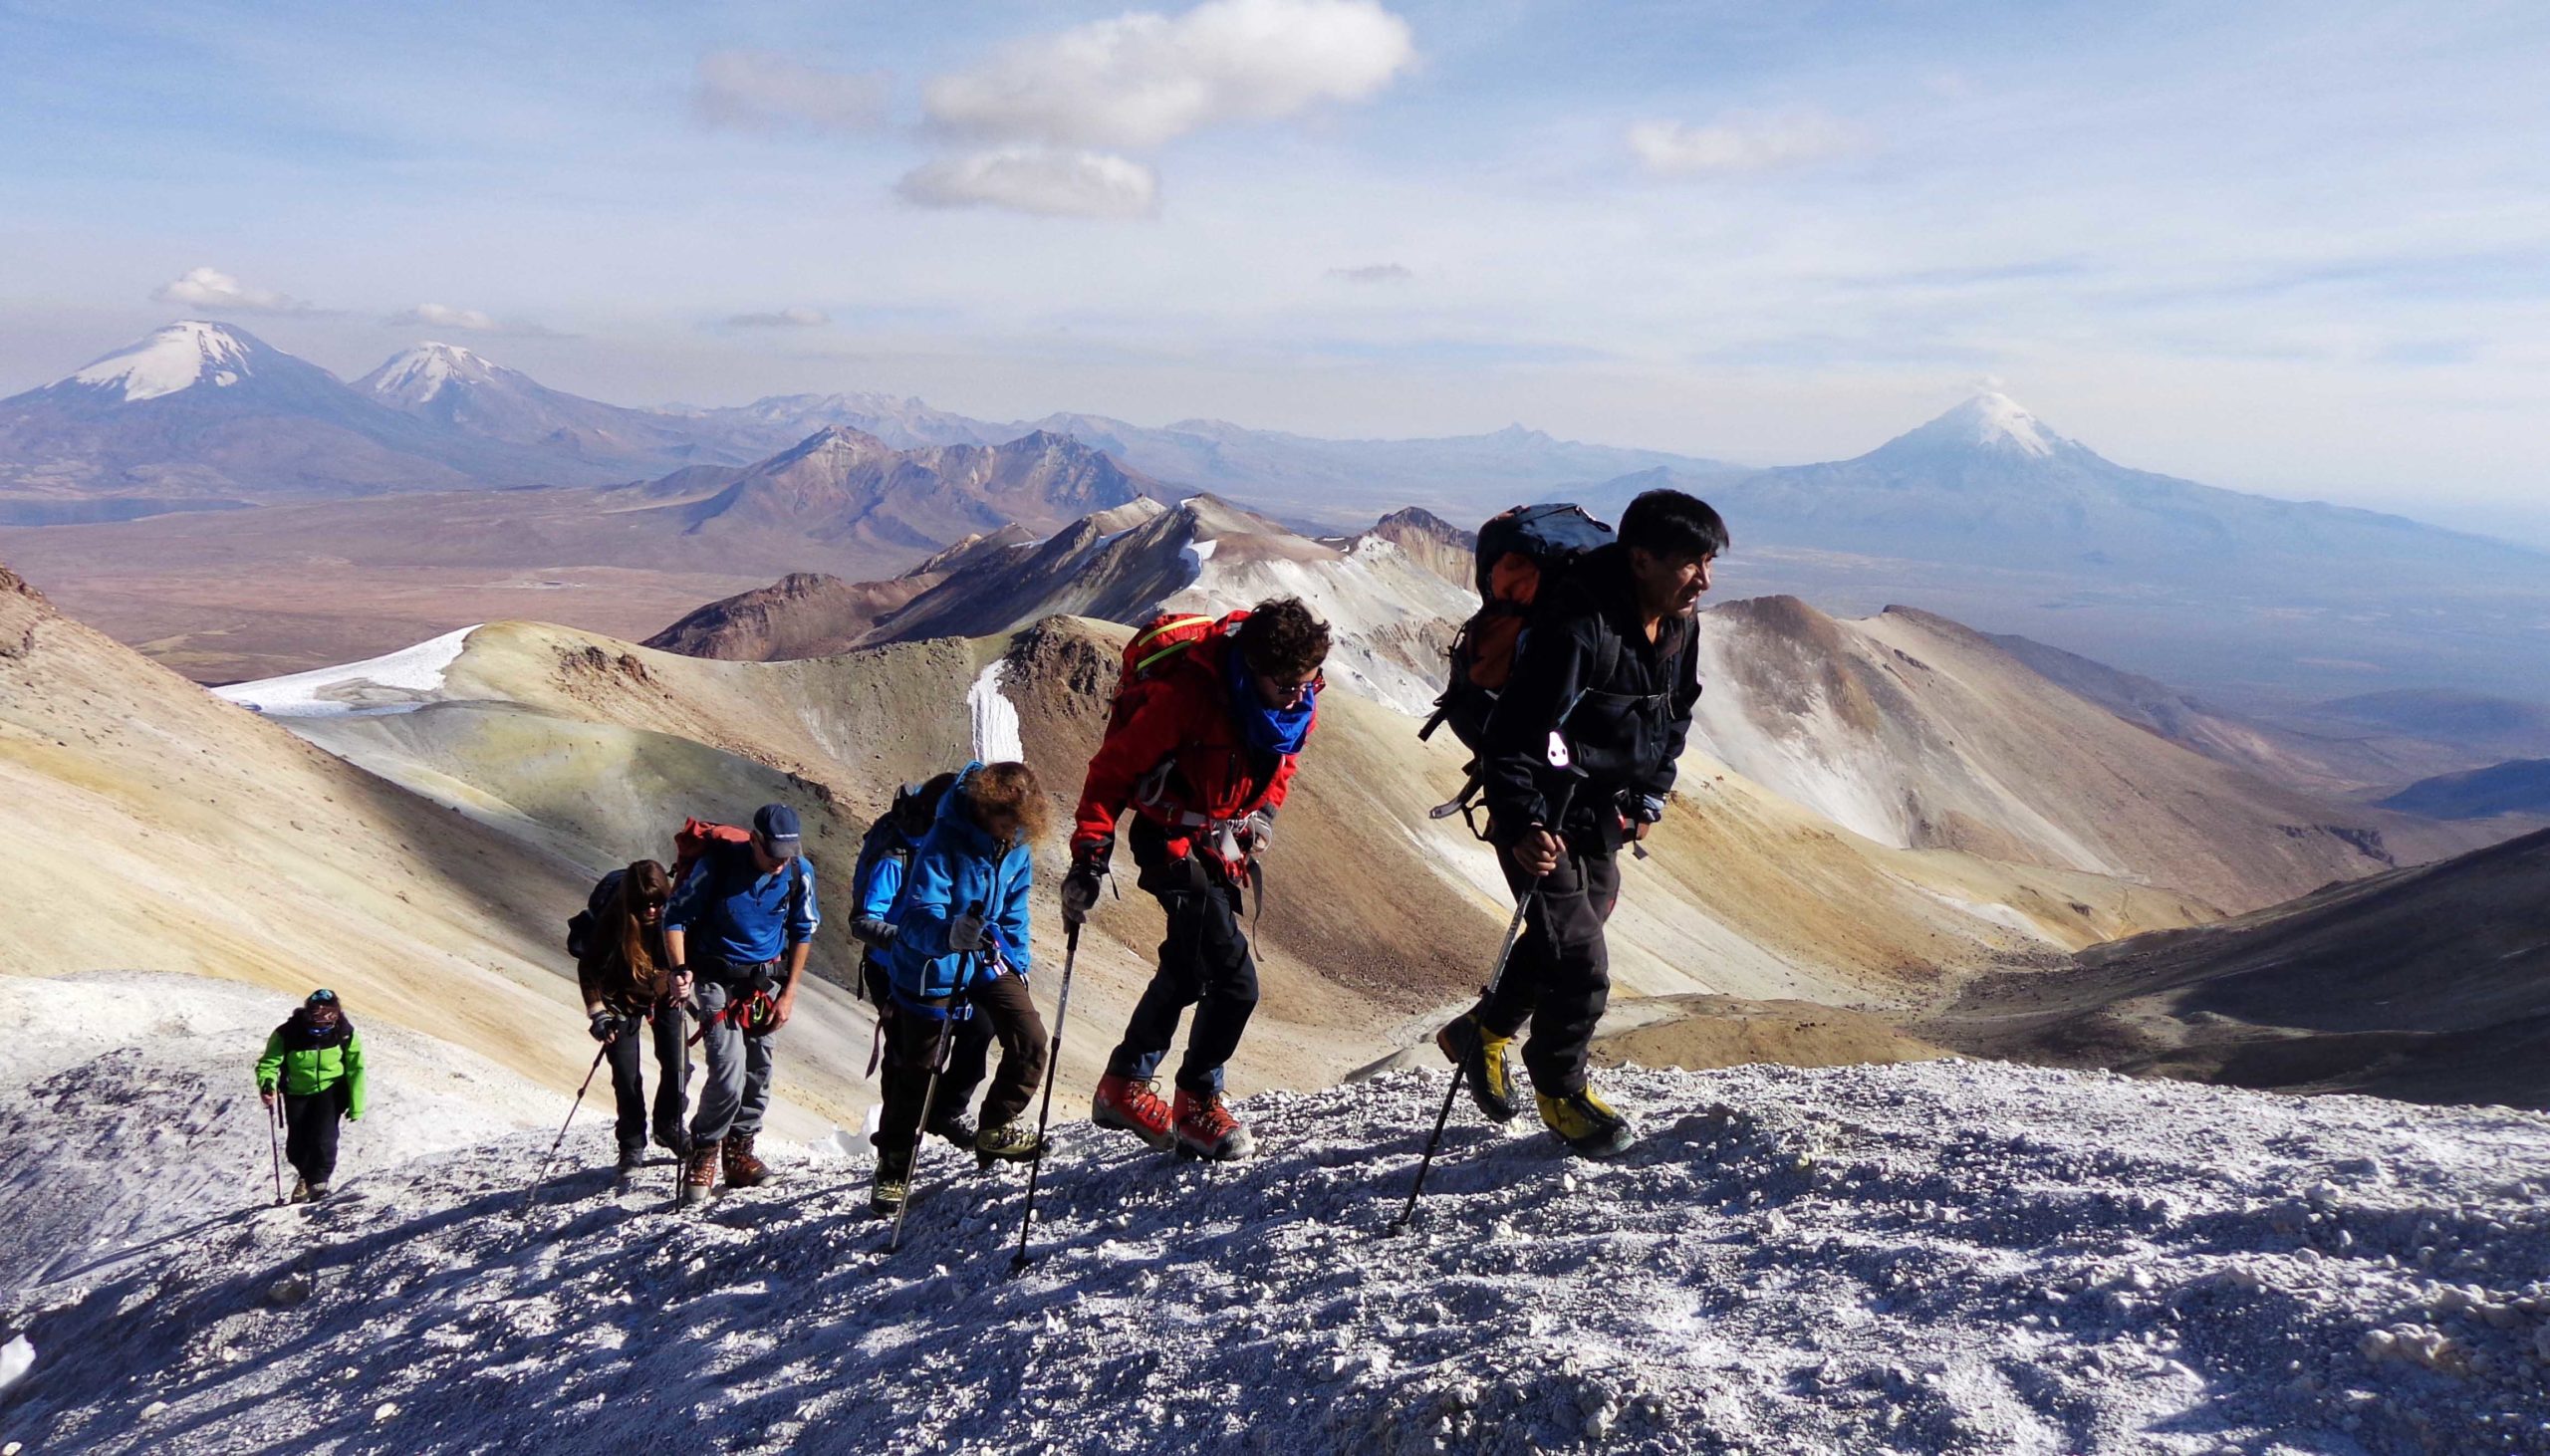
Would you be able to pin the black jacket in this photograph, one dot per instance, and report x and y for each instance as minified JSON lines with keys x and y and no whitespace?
{"x":1624,"y":731}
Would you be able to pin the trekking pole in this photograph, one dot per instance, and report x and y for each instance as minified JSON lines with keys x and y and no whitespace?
{"x":1053,"y":1066}
{"x":274,"y":1142}
{"x":1505,"y":956}
{"x":555,"y":1143}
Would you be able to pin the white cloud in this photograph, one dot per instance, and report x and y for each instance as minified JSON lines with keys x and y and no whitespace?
{"x":474,"y":321}
{"x":1143,"y":78}
{"x":209,"y":288}
{"x":791,"y":318}
{"x":1739,"y":143}
{"x":1373,"y":273}
{"x":767,"y":92}
{"x":1048,"y":183}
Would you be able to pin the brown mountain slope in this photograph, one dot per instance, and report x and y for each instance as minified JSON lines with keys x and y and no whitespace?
{"x":1915,"y":731}
{"x":802,"y":614}
{"x":235,"y":594}
{"x":1431,"y":542}
{"x":2430,"y":983}
{"x":155,"y":827}
{"x":1376,"y":915}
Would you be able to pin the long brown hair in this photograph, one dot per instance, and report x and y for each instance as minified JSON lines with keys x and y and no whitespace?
{"x":1009,"y":792}
{"x":643,"y":884}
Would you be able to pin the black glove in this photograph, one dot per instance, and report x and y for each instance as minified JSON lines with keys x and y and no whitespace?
{"x":605,"y":1025}
{"x":1645,"y":808}
{"x":1080,"y":890}
{"x":965,"y":931}
{"x":875,"y":930}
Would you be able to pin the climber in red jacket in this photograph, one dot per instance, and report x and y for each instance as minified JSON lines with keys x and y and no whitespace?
{"x":1199,"y":752}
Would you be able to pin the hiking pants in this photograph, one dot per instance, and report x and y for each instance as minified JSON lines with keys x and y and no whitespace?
{"x":1204,"y":963}
{"x":1560,"y":977}
{"x":310,"y":1132}
{"x":737,"y":1091}
{"x":1003,"y":1012}
{"x":662,"y":1025}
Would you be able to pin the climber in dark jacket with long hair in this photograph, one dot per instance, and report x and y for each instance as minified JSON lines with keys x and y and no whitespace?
{"x":631,"y":996}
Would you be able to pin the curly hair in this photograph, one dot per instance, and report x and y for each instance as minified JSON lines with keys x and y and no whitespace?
{"x":1007,"y":793}
{"x":1282,"y":640}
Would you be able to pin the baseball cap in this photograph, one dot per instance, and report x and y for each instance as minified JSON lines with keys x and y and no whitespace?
{"x":776,"y":823}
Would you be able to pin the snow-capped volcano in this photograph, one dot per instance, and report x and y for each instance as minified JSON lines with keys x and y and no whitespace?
{"x":180,"y":356}
{"x":476,"y":396}
{"x":424,"y":372}
{"x":1992,"y":422}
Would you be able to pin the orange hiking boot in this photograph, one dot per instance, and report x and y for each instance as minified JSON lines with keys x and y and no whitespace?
{"x":1133,"y":1107}
{"x":1207,"y":1129}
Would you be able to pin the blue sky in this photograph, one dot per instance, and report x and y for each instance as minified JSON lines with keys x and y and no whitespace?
{"x":2302,"y":249}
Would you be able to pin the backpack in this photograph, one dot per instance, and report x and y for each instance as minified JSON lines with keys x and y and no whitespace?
{"x":885,"y":842}
{"x":1162,"y":641}
{"x":1522,"y":556}
{"x":691,"y":844}
{"x":695,"y":838}
{"x":580,"y":927}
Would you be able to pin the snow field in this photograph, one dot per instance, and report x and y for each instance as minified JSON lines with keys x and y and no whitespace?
{"x":1918,"y":1258}
{"x":994,"y":717}
{"x":398,"y":682}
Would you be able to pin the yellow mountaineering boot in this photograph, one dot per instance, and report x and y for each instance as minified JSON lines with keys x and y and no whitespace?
{"x":1489,"y":1063}
{"x":1585,"y":1122}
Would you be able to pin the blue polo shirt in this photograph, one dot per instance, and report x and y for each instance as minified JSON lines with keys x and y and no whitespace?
{"x":740,"y":915}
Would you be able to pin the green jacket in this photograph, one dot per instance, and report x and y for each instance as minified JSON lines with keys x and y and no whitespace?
{"x":305,"y":1068}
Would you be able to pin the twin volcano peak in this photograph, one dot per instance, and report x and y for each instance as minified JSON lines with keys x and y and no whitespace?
{"x":179,"y":357}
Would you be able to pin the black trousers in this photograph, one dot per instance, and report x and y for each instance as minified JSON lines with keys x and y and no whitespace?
{"x":662,"y":1026}
{"x":310,"y":1132}
{"x":1560,"y":977}
{"x":1204,"y":963}
{"x":1003,"y":1012}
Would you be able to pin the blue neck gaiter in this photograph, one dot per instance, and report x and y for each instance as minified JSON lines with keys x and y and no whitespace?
{"x":1265,"y":729}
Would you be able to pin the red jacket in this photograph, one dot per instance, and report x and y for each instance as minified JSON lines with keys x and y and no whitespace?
{"x":1172,"y":755}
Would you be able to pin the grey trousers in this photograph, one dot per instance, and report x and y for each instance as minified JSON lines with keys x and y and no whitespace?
{"x":737,"y":1091}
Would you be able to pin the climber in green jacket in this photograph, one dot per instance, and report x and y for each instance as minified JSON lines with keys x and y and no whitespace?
{"x":314,"y":1061}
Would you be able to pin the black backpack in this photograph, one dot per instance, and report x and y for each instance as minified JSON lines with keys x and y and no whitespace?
{"x":580,"y":925}
{"x":1523,"y":554}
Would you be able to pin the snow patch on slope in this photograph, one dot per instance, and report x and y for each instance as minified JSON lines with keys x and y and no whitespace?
{"x":1928,"y":1257}
{"x":177,"y":358}
{"x":994,"y":717}
{"x":398,"y":682}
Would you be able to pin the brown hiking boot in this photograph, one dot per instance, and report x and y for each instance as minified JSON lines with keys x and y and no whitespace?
{"x":743,"y":1170}
{"x":699,"y":1172}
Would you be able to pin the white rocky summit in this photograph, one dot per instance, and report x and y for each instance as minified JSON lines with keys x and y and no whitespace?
{"x":420,"y":373}
{"x":178,"y":357}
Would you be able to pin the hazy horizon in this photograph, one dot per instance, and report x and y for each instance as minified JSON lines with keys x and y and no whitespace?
{"x":2294,"y":250}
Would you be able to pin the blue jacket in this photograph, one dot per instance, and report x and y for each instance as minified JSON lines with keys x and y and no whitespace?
{"x":737,"y":914}
{"x":956,"y":868}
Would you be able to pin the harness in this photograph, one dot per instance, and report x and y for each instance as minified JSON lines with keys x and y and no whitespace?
{"x":1150,"y":792}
